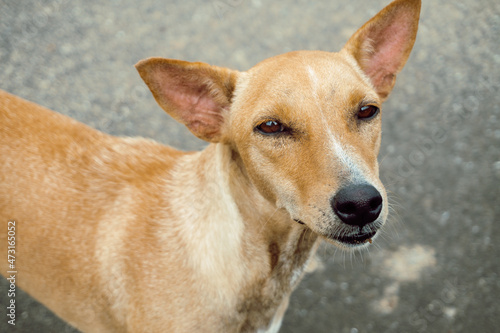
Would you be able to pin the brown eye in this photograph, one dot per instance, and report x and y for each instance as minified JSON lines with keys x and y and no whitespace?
{"x":271,"y":127}
{"x":368,"y":112}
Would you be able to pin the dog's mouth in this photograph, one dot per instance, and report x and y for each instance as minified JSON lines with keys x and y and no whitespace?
{"x":350,"y":240}
{"x":357,"y":239}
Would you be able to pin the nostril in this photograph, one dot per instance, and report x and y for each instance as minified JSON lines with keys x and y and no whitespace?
{"x":357,"y":204}
{"x":376,"y":202}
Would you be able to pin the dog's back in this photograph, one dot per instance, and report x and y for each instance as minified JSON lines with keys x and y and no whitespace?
{"x":75,"y":194}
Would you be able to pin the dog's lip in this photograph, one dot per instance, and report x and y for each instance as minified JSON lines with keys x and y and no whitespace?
{"x":357,"y":239}
{"x":353,"y":240}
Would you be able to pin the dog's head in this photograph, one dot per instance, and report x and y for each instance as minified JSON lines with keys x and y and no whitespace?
{"x":306,"y":125}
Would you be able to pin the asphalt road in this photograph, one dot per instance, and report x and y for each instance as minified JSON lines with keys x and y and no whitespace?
{"x":436,"y":269}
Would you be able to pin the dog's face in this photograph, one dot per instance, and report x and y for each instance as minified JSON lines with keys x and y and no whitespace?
{"x":307,"y":125}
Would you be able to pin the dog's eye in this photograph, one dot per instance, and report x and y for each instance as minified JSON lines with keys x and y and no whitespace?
{"x":271,"y":127}
{"x":367,"y":112}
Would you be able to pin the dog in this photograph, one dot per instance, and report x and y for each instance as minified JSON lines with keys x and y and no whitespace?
{"x":127,"y":235}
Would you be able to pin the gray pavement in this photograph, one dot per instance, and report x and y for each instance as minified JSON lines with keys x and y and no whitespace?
{"x":436,"y":268}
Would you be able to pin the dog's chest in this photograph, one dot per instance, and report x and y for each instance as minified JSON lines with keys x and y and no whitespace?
{"x":262,"y":306}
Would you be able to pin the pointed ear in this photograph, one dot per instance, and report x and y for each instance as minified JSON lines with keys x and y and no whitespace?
{"x":382,"y":46}
{"x":195,"y":94}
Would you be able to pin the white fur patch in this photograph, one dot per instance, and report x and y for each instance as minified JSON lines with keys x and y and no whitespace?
{"x":314,"y":79}
{"x":342,"y":154}
{"x":211,"y":223}
{"x":273,"y":328}
{"x":275,"y":324}
{"x":109,"y":246}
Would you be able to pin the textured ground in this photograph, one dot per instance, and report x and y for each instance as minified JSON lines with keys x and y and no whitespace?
{"x":436,"y":268}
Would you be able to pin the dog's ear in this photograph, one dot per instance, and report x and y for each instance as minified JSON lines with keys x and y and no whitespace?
{"x":195,"y":94}
{"x":382,"y":46}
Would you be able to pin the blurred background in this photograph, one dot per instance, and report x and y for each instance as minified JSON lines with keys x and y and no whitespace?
{"x":435,"y":268}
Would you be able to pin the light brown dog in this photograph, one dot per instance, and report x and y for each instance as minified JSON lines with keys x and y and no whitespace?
{"x":127,"y":235}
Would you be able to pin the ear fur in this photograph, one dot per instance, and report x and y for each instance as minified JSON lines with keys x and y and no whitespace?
{"x":382,"y":46}
{"x":195,"y":94}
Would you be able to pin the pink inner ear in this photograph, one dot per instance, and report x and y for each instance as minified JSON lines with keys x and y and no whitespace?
{"x":198,"y":110}
{"x":383,"y":44}
{"x":193,"y":104}
{"x":388,"y":47}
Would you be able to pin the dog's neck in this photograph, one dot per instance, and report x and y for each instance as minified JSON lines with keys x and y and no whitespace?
{"x":250,"y":240}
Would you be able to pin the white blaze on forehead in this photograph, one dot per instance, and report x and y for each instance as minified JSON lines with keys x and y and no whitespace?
{"x":342,"y":152}
{"x":314,"y":85}
{"x":314,"y":79}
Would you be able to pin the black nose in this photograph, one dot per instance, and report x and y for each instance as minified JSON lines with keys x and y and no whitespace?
{"x":357,"y":204}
